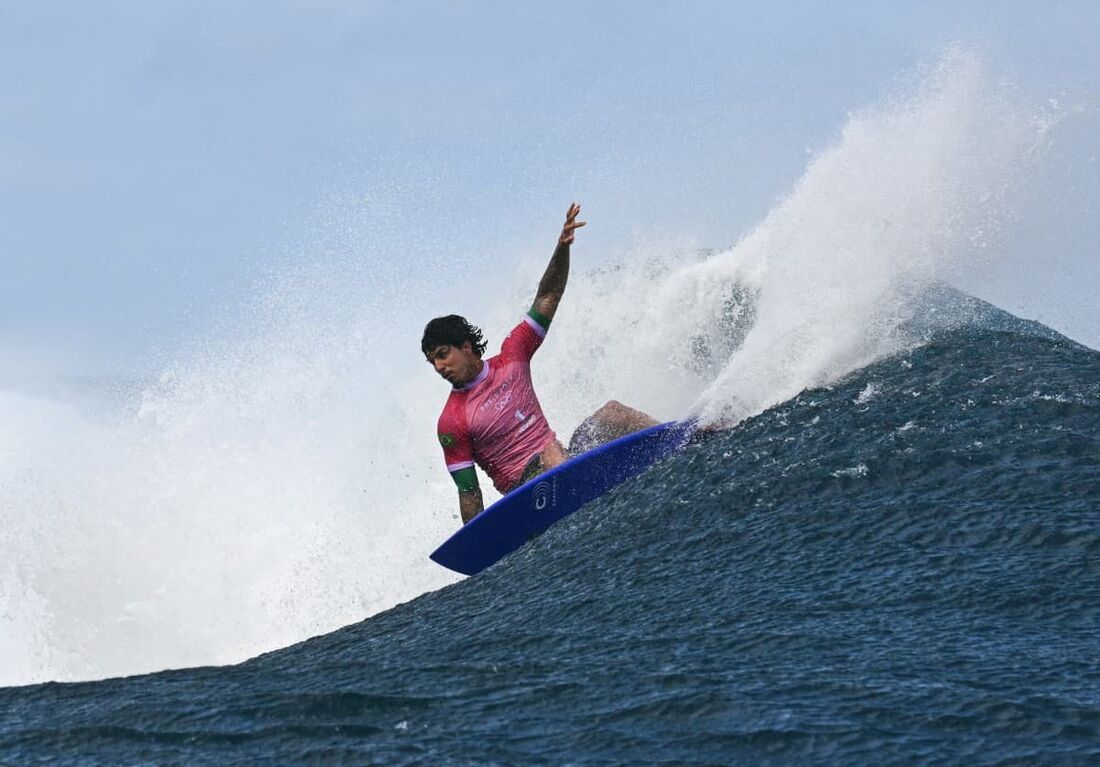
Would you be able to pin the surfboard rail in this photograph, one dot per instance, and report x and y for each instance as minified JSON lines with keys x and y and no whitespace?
{"x":534,"y":506}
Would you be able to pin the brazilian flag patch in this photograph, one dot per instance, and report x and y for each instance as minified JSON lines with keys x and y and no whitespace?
{"x":446,"y":439}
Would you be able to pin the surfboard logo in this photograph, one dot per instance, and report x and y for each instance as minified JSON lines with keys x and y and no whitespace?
{"x":543,"y":495}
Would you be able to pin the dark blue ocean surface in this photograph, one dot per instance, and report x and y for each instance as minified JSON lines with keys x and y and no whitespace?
{"x":901,"y":568}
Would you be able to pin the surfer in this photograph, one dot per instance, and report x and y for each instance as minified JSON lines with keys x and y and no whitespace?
{"x":492,"y":416}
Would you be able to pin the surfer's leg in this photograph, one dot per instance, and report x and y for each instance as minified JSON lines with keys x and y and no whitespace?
{"x":553,"y":455}
{"x":610,"y":422}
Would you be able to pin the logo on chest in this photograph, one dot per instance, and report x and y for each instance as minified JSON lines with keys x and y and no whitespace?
{"x":500,"y":396}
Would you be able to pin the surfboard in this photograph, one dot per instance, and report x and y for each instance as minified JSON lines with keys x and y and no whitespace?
{"x":532,"y":507}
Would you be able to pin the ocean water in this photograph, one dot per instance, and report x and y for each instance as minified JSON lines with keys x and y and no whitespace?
{"x":885,"y":552}
{"x":900,"y":567}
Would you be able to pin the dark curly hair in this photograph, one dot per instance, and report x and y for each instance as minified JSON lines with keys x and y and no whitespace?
{"x":451,"y":330}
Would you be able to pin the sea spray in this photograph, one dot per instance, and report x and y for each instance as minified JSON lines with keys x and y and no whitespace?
{"x":910,"y":192}
{"x":268,"y":486}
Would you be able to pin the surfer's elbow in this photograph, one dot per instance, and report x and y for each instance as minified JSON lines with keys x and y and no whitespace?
{"x":546,"y":304}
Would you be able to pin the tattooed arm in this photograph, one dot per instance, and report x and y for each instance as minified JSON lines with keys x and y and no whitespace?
{"x":552,"y":284}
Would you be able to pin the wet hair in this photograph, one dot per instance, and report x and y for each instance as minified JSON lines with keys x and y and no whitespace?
{"x":451,"y":330}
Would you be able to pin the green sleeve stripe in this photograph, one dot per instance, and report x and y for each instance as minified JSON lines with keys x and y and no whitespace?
{"x":466,"y":479}
{"x":542,"y":320}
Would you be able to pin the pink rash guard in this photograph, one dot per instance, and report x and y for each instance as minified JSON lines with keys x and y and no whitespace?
{"x":496,"y":420}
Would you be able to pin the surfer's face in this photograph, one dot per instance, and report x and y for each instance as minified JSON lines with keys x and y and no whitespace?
{"x":457,"y":364}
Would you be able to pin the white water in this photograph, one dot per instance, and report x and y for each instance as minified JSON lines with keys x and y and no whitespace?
{"x":283,"y":480}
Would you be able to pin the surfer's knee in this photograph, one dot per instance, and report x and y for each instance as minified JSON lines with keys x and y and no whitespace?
{"x":610,"y":422}
{"x":612,"y":410}
{"x":616,"y":414}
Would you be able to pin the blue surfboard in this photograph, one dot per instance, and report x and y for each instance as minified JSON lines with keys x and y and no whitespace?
{"x":535,"y":505}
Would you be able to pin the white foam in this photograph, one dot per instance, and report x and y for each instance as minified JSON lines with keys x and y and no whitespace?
{"x":911,"y":191}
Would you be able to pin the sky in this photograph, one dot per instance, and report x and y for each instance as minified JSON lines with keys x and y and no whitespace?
{"x":163,"y":162}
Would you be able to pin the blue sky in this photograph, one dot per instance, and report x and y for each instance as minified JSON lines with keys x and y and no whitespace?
{"x":161,"y":159}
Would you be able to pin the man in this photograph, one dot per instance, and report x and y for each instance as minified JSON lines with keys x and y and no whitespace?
{"x":492,"y":416}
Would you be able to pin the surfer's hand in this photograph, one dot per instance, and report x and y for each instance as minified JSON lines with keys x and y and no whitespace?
{"x":571,"y":223}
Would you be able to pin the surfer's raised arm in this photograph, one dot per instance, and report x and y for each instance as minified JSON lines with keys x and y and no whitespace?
{"x":552,"y":284}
